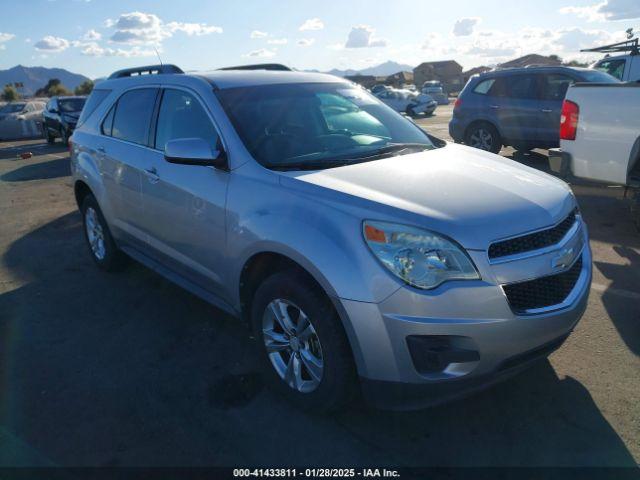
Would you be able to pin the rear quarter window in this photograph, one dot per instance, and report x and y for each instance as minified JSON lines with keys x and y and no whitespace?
{"x":95,"y":99}
{"x":484,"y":86}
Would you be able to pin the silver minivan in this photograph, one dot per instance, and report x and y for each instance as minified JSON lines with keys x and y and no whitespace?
{"x":364,"y":253}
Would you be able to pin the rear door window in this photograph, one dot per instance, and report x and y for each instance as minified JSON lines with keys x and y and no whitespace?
{"x":483,"y":87}
{"x":554,"y":86}
{"x":133,"y":115}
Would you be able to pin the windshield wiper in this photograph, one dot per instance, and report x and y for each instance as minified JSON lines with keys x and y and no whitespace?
{"x":378,"y":153}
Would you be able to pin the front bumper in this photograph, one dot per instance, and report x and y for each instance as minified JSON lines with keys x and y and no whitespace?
{"x":472,"y":316}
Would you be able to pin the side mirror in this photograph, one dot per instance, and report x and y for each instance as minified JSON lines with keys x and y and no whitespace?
{"x":194,"y":151}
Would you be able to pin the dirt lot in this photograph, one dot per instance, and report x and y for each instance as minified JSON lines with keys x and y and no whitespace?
{"x":127,"y":369}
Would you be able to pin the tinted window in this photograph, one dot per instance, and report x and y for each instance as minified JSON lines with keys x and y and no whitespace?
{"x":521,"y":86}
{"x":554,"y":86}
{"x":182,"y":116}
{"x":315,"y":124}
{"x":614,"y":68}
{"x":107,"y":123}
{"x":599,"y":77}
{"x":95,"y":99}
{"x":133,"y":115}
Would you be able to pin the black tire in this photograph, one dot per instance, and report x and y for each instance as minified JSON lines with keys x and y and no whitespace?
{"x":113,"y":259}
{"x":51,"y":139}
{"x":409,"y":111}
{"x":484,"y":136}
{"x":64,"y":136}
{"x":339,"y":380}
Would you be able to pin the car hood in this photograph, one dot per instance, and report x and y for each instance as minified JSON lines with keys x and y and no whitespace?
{"x":473,"y":196}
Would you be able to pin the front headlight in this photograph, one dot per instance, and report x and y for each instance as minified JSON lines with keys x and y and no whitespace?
{"x":421,"y":258}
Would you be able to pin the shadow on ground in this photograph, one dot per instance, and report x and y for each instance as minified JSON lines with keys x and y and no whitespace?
{"x":39,"y":171}
{"x":127,"y":369}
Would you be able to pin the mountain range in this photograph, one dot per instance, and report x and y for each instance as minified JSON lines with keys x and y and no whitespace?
{"x":384,"y":69}
{"x":34,"y":78}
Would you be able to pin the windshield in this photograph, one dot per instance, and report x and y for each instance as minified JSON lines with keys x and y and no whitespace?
{"x":317,"y":125}
{"x":68,"y":105}
{"x":12,"y":108}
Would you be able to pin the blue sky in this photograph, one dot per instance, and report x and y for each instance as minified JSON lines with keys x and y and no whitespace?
{"x":96,"y":37}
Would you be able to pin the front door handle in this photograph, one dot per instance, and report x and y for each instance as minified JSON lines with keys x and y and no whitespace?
{"x":547,"y":110}
{"x":152,"y":175}
{"x":494,"y":107}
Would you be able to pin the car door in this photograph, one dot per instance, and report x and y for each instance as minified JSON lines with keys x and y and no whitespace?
{"x":553,"y":88}
{"x":185,"y":204}
{"x":516,"y":108}
{"x":123,"y":152}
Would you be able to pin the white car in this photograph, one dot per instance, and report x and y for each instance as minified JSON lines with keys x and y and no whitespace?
{"x":31,"y":110}
{"x":625,"y":66}
{"x":409,"y":102}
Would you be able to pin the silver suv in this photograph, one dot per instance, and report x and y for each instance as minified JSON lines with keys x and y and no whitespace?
{"x":361,"y":251}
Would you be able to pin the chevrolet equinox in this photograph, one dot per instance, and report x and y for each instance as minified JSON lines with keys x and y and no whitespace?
{"x":363,"y":252}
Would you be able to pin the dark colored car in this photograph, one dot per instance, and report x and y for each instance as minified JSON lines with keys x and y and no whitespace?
{"x":61,"y":116}
{"x":518,"y":107}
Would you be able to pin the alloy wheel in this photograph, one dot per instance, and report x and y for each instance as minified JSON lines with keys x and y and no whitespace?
{"x":292,"y":345}
{"x":95,"y":234}
{"x":482,"y":139}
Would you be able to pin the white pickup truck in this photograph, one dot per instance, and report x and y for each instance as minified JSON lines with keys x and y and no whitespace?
{"x":600,"y":135}
{"x":626,"y":66}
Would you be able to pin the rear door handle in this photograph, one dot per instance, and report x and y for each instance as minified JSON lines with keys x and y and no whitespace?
{"x":494,"y":107}
{"x":152,"y":175}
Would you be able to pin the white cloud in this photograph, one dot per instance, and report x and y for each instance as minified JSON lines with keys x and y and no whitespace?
{"x":607,"y":10}
{"x":312,"y":24}
{"x":92,"y":35}
{"x":5,"y":37}
{"x":362,"y":36}
{"x":52,"y":44}
{"x":138,"y":28}
{"x":277,"y":41}
{"x":258,"y":34}
{"x":305,"y":42}
{"x":261,"y":53}
{"x":464,"y":26}
{"x":94,"y":50}
{"x":197,"y":29}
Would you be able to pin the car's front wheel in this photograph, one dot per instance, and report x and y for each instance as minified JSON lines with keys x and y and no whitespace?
{"x":484,"y":136}
{"x":306,"y":355}
{"x":99,"y":240}
{"x":51,"y":139}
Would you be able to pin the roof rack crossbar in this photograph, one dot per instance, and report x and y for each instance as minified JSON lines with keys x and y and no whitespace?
{"x":260,"y":66}
{"x":146,"y":70}
{"x":626,"y":46}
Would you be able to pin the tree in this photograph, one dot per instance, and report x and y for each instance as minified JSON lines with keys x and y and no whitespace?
{"x":10,"y":94}
{"x":52,"y":88}
{"x":84,"y":88}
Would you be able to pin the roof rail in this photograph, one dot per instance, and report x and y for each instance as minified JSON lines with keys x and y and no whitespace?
{"x":146,"y":70}
{"x":260,"y":66}
{"x":630,"y":46}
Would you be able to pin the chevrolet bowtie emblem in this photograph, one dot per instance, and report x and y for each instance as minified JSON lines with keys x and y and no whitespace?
{"x":564,"y":258}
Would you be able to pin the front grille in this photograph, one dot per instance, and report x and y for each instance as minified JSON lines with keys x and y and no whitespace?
{"x":544,"y":291}
{"x":533,"y":241}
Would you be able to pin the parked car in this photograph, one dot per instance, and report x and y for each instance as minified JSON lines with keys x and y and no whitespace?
{"x":624,"y":66}
{"x":518,"y":107}
{"x":28,"y":110}
{"x":379,"y":88}
{"x":600,"y":136}
{"x":356,"y":246}
{"x":61,"y":116}
{"x":408,"y":102}
{"x":434,"y":89}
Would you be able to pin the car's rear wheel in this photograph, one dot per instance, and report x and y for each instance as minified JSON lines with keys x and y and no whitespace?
{"x":306,"y":355}
{"x":51,"y":139}
{"x":409,"y":111}
{"x":484,"y":136}
{"x":99,"y":240}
